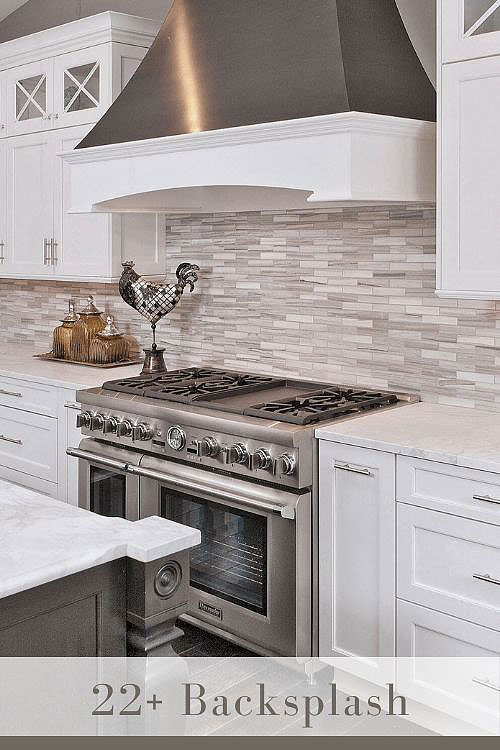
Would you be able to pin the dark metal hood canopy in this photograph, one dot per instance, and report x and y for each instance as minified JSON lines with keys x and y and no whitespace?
{"x":227,"y":63}
{"x":238,"y":99}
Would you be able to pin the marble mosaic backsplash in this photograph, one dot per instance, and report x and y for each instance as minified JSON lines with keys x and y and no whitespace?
{"x":343,"y":295}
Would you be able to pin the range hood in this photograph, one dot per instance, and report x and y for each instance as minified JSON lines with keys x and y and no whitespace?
{"x":268,"y":104}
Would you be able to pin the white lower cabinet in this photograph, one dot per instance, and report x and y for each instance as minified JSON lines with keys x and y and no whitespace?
{"x":357,"y":559}
{"x":28,"y":443}
{"x":450,"y":564}
{"x":449,"y":665}
{"x":34,"y":437}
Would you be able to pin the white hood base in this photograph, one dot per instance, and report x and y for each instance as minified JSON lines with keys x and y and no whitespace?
{"x":318,"y":161}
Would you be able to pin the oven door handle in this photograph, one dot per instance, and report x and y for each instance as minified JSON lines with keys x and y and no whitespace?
{"x":286,"y":511}
{"x":94,"y":458}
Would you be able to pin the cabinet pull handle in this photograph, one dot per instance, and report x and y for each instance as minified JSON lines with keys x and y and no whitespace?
{"x":486,"y":683}
{"x":353,"y":469}
{"x":46,"y":256}
{"x":70,"y":405}
{"x":10,"y":440}
{"x":486,"y":499}
{"x":53,"y":252}
{"x":2,"y":248}
{"x":10,"y":393}
{"x":486,"y":577}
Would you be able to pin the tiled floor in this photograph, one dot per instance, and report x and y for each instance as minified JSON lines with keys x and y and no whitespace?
{"x":196,"y":642}
{"x":234,"y":677}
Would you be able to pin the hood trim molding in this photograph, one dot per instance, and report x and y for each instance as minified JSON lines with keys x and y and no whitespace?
{"x":350,"y":156}
{"x":352,"y":122}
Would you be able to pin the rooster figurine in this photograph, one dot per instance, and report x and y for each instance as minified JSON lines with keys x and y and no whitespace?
{"x":151,"y":300}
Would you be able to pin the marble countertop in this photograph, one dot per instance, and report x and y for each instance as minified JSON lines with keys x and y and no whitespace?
{"x":464,"y":437}
{"x":18,"y":362}
{"x":42,"y":539}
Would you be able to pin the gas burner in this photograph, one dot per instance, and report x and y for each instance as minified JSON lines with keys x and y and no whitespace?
{"x":221,"y":385}
{"x":321,"y":405}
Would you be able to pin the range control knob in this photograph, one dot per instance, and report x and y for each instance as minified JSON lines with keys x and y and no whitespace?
{"x":262,"y":459}
{"x":208,"y":446}
{"x":84,"y":419}
{"x":97,"y":422}
{"x":286,"y":464}
{"x":110,"y":426}
{"x":125,"y":428}
{"x":142,"y":432}
{"x":238,"y":454}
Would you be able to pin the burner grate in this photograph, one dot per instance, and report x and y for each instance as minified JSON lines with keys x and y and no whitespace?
{"x":219,"y":386}
{"x":319,"y":406}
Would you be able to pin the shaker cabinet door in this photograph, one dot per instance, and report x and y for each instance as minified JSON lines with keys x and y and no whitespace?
{"x":29,"y":186}
{"x":3,"y":204}
{"x":469,"y":234}
{"x":84,"y":241}
{"x":357,"y":559}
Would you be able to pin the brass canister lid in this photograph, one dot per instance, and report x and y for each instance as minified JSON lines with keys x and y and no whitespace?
{"x":71,"y":316}
{"x":90,"y":308}
{"x":110,"y":331}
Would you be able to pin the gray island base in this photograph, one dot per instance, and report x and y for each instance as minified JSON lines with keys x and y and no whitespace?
{"x":73,"y":583}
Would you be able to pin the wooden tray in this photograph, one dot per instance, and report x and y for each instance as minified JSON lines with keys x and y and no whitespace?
{"x":49,"y":357}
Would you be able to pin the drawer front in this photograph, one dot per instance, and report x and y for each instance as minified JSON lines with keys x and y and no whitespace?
{"x":34,"y":397}
{"x":450,"y":664}
{"x":28,"y":443}
{"x":463,"y":492}
{"x":450,"y":564}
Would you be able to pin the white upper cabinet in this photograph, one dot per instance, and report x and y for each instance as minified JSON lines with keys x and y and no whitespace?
{"x":29,"y":97}
{"x":82,"y":86}
{"x":468,"y":236}
{"x":29,"y":206}
{"x":470,"y":29}
{"x":3,"y":203}
{"x":54,"y":86}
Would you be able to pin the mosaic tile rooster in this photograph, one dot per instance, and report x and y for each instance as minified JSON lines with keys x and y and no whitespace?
{"x":153,"y":300}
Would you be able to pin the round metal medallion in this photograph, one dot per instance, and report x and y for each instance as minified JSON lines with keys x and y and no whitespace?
{"x":168,"y":579}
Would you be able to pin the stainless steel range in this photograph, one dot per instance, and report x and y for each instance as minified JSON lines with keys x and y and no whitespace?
{"x":234,"y":455}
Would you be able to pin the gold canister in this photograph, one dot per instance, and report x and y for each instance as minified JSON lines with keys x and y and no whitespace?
{"x":62,"y":338}
{"x":109,"y":345}
{"x":89,"y":324}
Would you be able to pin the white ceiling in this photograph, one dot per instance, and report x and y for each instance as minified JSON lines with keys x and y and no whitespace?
{"x":9,"y":6}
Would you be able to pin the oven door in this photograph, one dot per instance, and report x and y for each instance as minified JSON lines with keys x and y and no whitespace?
{"x":104,"y":484}
{"x":253,"y":563}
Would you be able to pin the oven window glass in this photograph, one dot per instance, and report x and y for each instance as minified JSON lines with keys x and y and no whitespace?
{"x":232,"y":557}
{"x":107,"y":492}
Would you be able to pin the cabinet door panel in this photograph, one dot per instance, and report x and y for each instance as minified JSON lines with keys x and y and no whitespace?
{"x":83,"y":240}
{"x":3,"y":204}
{"x":357,"y":553}
{"x":470,"y":179}
{"x":29,"y":97}
{"x":29,"y":205}
{"x":82,"y":85}
{"x":469,"y":29}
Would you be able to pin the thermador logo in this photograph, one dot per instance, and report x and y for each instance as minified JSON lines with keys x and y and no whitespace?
{"x":214,"y":611}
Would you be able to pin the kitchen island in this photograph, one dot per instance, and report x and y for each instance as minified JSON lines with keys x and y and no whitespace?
{"x":73,"y":583}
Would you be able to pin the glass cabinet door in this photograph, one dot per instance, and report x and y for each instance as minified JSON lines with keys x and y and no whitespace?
{"x":108,"y":492}
{"x":29,"y":98}
{"x":231,"y":561}
{"x":81,"y":86}
{"x":469,"y":29}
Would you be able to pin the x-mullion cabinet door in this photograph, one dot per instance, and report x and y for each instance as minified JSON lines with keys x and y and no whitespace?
{"x":29,"y":98}
{"x":82,"y":85}
{"x":30,"y":206}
